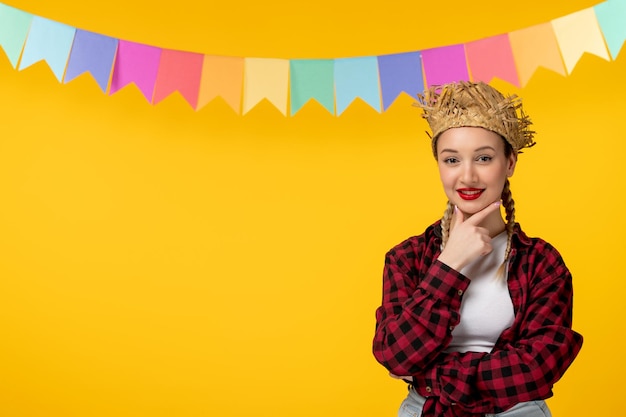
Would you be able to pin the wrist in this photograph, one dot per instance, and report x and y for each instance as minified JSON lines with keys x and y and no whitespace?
{"x":450,"y":263}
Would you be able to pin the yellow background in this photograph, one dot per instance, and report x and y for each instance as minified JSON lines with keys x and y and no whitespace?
{"x":157,"y":261}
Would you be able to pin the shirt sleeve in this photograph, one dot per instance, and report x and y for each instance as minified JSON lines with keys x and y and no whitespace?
{"x":415,"y":320}
{"x":522,"y":367}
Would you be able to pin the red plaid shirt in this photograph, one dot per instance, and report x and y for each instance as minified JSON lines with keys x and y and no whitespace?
{"x":421,"y":305}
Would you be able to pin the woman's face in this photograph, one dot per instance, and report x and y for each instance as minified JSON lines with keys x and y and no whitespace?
{"x":473,"y":167}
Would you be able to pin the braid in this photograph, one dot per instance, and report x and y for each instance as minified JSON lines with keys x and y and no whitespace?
{"x":509,"y":208}
{"x":445,"y":224}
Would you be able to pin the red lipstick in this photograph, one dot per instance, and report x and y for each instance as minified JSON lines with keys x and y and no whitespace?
{"x":469,"y":193}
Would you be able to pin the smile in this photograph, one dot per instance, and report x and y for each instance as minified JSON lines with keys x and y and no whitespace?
{"x":469,"y":193}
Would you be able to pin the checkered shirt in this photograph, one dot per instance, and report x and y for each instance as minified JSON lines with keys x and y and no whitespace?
{"x":421,"y":305}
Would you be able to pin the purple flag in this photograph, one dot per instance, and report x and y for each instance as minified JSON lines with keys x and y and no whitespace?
{"x":400,"y":73}
{"x":94,"y":53}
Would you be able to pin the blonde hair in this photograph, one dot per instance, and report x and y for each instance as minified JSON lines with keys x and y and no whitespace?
{"x":509,"y":210}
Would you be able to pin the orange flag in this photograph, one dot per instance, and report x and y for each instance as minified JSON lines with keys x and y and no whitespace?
{"x":535,"y":47}
{"x":222,"y":76}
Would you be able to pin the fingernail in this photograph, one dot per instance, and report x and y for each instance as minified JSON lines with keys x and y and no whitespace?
{"x":497,"y":204}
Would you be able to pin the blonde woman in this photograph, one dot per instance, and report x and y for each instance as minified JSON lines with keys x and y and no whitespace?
{"x":475,"y":315}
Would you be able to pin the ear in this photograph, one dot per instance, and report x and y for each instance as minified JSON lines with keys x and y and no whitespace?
{"x":511,"y":163}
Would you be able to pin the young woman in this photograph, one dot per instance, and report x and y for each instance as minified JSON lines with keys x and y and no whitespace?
{"x":475,"y":315}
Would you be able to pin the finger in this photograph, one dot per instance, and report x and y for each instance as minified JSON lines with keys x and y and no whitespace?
{"x":482,"y":214}
{"x":459,"y":217}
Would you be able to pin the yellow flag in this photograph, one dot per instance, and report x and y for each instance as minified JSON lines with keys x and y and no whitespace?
{"x":266,"y":78}
{"x":578,"y":33}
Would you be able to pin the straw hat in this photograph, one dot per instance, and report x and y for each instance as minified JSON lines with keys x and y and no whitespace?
{"x":470,"y":104}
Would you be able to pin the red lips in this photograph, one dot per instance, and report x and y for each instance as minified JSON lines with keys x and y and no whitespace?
{"x":469,"y":193}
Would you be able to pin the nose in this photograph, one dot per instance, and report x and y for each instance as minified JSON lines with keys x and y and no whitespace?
{"x":469,"y":174}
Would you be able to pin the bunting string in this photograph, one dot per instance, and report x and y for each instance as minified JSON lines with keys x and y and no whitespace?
{"x":289,"y":84}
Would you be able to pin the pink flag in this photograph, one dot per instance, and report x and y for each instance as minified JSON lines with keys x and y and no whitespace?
{"x":135,"y":63}
{"x":492,"y":57}
{"x":444,"y":65}
{"x":179,"y":71}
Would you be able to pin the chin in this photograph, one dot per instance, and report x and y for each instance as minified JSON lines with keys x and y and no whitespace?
{"x":471,"y":207}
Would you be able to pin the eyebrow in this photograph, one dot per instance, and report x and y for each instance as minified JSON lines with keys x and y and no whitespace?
{"x":482,"y":148}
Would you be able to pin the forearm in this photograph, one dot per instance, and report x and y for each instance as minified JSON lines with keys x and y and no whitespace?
{"x":529,"y":358}
{"x":493,"y":382}
{"x":414,"y":323}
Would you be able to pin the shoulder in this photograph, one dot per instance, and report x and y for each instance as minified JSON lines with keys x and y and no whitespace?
{"x":414,"y":245}
{"x":533,"y":244}
{"x":537,"y":255}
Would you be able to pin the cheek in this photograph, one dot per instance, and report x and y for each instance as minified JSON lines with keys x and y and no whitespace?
{"x":499,"y":178}
{"x":445,"y":176}
{"x":448,"y":183}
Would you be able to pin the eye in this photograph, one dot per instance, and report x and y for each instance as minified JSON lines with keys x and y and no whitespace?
{"x":484,"y":158}
{"x":451,"y":160}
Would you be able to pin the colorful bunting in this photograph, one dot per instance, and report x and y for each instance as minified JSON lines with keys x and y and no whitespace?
{"x":92,"y":53}
{"x":335,"y":83}
{"x":578,"y":33}
{"x":444,"y":65}
{"x":312,"y":79}
{"x":356,"y":78}
{"x":535,"y":47}
{"x":400,"y":73}
{"x":14,"y":25}
{"x":49,"y":41}
{"x":179,"y":71}
{"x":266,"y":78}
{"x":136,"y":63}
{"x":222,"y":76}
{"x":612,"y":20}
{"x":492,"y":57}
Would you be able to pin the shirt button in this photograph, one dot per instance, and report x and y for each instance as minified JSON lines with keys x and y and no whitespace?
{"x":429,"y":389}
{"x":460,"y":292}
{"x":451,"y":328}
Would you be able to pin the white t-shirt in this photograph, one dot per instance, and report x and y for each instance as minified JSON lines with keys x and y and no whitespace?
{"x":486,"y":308}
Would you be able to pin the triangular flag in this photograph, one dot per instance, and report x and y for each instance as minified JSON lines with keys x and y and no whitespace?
{"x":266,"y":78}
{"x":14,"y":25}
{"x":536,"y":47}
{"x":578,"y":33}
{"x":356,"y":77}
{"x":400,"y":73}
{"x":312,"y":79}
{"x":179,"y":71}
{"x":49,"y":41}
{"x":492,"y":57}
{"x":93,"y":53}
{"x":222,"y":76}
{"x":444,"y":65}
{"x":136,"y":63}
{"x":611,"y":16}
